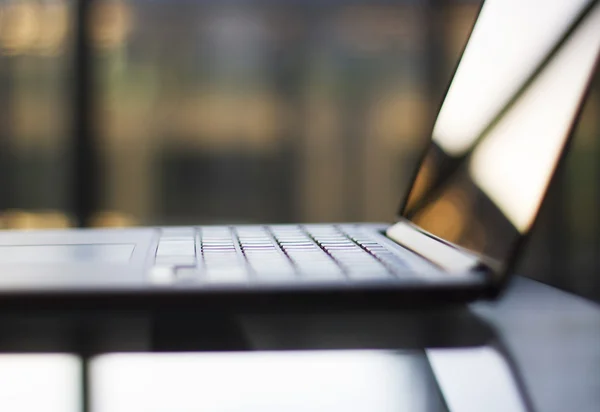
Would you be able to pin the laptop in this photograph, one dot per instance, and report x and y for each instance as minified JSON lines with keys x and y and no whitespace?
{"x":502,"y":129}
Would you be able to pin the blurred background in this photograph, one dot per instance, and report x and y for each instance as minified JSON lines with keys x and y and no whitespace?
{"x":156,"y":112}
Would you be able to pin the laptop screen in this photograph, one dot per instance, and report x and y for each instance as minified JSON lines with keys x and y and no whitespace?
{"x":504,"y":123}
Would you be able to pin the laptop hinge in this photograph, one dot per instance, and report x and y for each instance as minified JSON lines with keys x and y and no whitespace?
{"x":431,"y":248}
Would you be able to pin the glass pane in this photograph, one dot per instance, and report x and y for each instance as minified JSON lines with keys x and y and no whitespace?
{"x":255,"y":111}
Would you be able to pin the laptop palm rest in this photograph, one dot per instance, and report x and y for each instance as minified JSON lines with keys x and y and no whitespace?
{"x":73,"y":259}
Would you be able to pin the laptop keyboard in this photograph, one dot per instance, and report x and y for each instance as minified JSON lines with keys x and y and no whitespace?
{"x":271,"y":254}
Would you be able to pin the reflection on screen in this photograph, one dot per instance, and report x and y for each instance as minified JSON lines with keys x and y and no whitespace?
{"x":493,"y":194}
{"x":509,"y":40}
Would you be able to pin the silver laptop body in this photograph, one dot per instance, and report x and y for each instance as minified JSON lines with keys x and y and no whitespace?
{"x":502,"y":129}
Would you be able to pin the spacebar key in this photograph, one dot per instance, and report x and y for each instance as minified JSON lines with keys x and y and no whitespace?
{"x":226,"y":275}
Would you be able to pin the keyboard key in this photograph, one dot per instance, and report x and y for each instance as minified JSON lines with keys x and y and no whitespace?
{"x":250,"y":242}
{"x":162,"y":275}
{"x":219,"y":249}
{"x":176,"y":248}
{"x":275,"y":273}
{"x":222,"y":263}
{"x":188,"y":275}
{"x":224,"y":258}
{"x":176,"y":260}
{"x":307,"y":255}
{"x":301,"y":242}
{"x":261,"y":249}
{"x":226,"y":275}
{"x":264,"y":255}
{"x":322,"y":274}
{"x":395,"y":263}
{"x":370,"y":273}
{"x":352,"y":248}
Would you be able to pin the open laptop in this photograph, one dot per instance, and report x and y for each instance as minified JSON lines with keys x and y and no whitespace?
{"x":502,"y":129}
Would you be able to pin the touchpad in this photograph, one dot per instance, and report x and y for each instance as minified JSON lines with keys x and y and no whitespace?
{"x":81,"y":253}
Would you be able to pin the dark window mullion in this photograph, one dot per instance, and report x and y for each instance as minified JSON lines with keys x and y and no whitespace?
{"x":84,"y":186}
